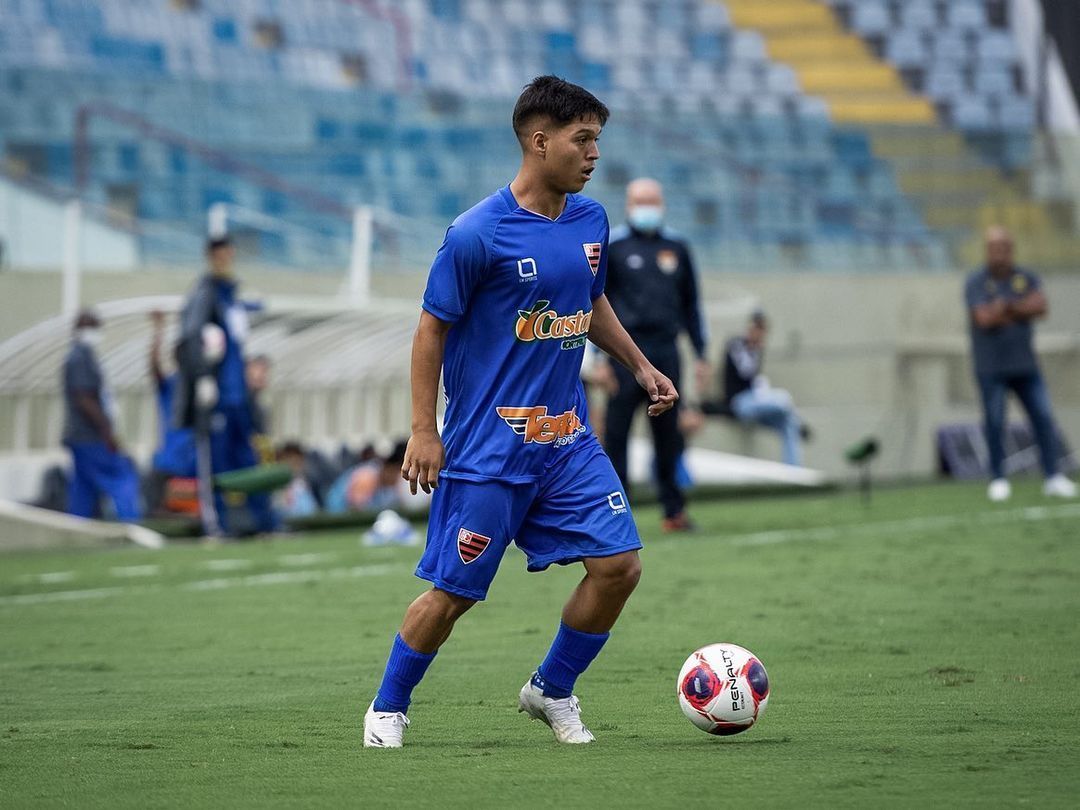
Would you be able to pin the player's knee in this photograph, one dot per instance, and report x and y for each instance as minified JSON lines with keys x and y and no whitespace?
{"x":622,"y":573}
{"x":449,"y":606}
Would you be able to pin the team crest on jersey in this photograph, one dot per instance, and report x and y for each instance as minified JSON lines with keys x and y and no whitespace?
{"x":1019,"y":284}
{"x":534,"y":424}
{"x":470,"y":545}
{"x":667,"y":261}
{"x":592,"y":253}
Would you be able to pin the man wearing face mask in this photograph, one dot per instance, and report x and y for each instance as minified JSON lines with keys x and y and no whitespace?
{"x":653,"y":290}
{"x":213,"y":395}
{"x":98,"y":465}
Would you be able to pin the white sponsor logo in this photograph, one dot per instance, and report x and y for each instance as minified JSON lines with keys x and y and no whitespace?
{"x":617,"y":502}
{"x":527,"y":269}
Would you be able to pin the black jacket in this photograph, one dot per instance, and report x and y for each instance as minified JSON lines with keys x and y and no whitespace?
{"x":652,"y":287}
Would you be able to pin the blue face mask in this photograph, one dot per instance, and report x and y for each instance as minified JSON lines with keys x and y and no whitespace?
{"x":646,"y":218}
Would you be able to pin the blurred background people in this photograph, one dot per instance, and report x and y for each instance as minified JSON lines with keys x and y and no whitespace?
{"x":214,"y":395}
{"x":751,"y":398}
{"x":297,"y":499}
{"x":99,"y":465}
{"x":1003,"y":301}
{"x":652,"y":287}
{"x":374,"y":484}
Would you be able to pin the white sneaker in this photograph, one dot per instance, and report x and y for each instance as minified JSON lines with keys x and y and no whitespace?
{"x":563,"y":715}
{"x":999,"y":490}
{"x":1058,"y":486}
{"x":384,"y":729}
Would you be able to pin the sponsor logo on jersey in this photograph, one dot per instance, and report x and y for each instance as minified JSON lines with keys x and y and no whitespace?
{"x":592,"y":253}
{"x":470,"y":545}
{"x":542,"y":323}
{"x":535,"y":425}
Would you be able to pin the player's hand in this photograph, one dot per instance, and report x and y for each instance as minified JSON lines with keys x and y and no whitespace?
{"x":661,"y":390}
{"x":424,"y":457}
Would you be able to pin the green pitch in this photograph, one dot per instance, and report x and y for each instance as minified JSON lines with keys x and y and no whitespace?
{"x":924,"y":651}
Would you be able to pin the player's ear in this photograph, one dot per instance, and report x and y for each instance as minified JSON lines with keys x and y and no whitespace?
{"x":539,"y":143}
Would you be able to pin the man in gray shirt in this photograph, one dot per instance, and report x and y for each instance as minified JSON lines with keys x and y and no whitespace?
{"x":1003,"y":301}
{"x":98,"y":465}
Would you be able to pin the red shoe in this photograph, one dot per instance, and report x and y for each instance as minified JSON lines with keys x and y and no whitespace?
{"x":678,"y":523}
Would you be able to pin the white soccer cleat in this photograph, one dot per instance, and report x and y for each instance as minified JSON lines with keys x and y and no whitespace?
{"x":563,"y":715}
{"x":1058,"y":486}
{"x":384,"y":729}
{"x":999,"y":490}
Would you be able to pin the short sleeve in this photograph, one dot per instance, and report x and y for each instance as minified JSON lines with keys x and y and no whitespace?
{"x":82,"y":373}
{"x":601,"y":272}
{"x":975,"y":291}
{"x":459,"y":266}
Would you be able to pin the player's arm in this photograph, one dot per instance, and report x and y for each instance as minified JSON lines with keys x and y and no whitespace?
{"x":1032,"y":305}
{"x":610,"y":336}
{"x":992,"y":314}
{"x":424,"y":454}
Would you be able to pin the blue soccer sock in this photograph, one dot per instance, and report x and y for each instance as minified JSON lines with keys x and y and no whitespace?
{"x":404,"y":670}
{"x":571,"y":653}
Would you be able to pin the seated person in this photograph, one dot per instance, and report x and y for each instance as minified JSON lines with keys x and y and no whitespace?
{"x":750,"y":398}
{"x":371,"y":485}
{"x":296,"y":499}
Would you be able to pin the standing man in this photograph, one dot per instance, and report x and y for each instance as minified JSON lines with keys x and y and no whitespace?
{"x":1002,"y":301}
{"x":99,"y":467}
{"x":213,"y":395}
{"x":749,"y":395}
{"x":514,"y":292}
{"x":653,"y":290}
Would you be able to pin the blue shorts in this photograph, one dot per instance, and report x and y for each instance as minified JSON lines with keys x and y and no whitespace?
{"x":577,"y":510}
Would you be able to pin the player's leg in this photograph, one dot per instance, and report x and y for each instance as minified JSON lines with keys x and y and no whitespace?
{"x":618,"y":418}
{"x":469,"y":528}
{"x":1035,"y":397}
{"x":120,"y":480}
{"x":668,"y":446}
{"x":580,"y":514}
{"x":992,"y":390}
{"x":82,"y":491}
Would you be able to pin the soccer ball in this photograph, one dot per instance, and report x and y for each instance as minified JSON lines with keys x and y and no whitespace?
{"x":723,"y":689}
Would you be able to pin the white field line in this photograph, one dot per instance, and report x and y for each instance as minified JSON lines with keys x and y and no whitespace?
{"x":1028,"y":514}
{"x":227,"y":565}
{"x":302,"y":560}
{"x":253,"y":580}
{"x":53,"y":577}
{"x":59,"y":596}
{"x":291,"y":577}
{"x":133,"y":571}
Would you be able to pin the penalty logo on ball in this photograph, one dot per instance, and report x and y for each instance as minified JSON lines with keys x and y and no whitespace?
{"x":723,"y":689}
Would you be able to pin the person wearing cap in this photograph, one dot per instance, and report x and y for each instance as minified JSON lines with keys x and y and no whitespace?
{"x":99,"y":465}
{"x":212,"y":394}
{"x":652,"y":286}
{"x":749,"y":396}
{"x":1003,"y":302}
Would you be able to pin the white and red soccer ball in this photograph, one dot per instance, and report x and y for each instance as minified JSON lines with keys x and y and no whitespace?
{"x":723,"y":689}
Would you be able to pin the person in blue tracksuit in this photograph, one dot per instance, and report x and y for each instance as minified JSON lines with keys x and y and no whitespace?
{"x":212,"y":393}
{"x":99,"y":466}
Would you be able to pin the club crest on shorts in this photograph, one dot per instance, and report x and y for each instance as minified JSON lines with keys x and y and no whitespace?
{"x":470,"y":545}
{"x":592,"y":253}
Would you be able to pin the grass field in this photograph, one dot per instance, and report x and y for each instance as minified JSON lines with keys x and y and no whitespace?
{"x":923,"y":651}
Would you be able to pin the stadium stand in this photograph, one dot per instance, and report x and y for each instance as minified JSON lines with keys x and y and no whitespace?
{"x":319,"y":93}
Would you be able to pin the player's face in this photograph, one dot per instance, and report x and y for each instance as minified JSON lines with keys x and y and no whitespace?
{"x":999,"y":252}
{"x":572,"y":154}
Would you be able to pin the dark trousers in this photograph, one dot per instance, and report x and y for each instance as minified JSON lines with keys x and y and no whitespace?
{"x":667,"y":440}
{"x":1031,"y":390}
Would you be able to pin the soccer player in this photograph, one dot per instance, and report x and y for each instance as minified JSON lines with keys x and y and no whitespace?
{"x":514,"y":292}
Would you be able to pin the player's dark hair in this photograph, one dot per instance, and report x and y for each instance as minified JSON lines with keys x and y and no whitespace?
{"x":557,"y":100}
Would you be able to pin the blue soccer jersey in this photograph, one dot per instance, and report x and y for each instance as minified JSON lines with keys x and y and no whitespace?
{"x":518,"y":288}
